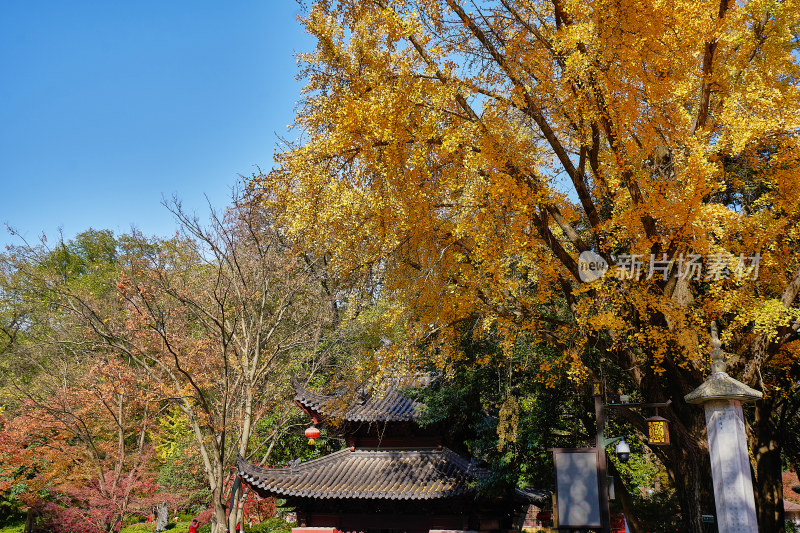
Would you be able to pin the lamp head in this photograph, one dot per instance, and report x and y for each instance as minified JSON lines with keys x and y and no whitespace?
{"x":623,"y":451}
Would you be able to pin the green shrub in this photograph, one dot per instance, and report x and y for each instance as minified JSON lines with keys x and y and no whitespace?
{"x":17,"y":527}
{"x":271,"y":525}
{"x":142,"y":527}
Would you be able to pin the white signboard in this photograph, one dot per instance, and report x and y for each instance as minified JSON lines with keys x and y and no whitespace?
{"x":577,"y":490}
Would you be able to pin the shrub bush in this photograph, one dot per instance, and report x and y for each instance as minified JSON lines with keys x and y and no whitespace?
{"x":271,"y":525}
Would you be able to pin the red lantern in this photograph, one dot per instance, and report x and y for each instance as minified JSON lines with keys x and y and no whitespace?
{"x":312,"y":434}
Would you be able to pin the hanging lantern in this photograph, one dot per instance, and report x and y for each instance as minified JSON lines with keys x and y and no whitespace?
{"x":312,"y":434}
{"x":658,"y":430}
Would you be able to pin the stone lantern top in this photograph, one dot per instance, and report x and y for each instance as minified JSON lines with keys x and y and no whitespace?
{"x":720,"y":386}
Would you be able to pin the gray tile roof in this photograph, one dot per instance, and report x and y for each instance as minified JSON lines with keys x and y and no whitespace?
{"x":385,"y":473}
{"x":387,"y":406}
{"x":532,"y":495}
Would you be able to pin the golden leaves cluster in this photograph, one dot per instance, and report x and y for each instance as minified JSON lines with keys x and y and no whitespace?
{"x":442,"y":152}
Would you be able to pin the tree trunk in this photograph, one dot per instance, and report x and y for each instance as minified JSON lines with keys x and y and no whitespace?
{"x":689,"y":486}
{"x":689,"y":466}
{"x":236,"y":502}
{"x":29,"y":520}
{"x":686,"y":458}
{"x":634,"y":525}
{"x":767,"y":479}
{"x":219,"y":523}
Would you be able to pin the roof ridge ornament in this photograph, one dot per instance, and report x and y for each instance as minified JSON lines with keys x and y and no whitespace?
{"x":717,"y":361}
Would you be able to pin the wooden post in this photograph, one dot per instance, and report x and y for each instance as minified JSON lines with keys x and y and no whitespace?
{"x":602,"y":478}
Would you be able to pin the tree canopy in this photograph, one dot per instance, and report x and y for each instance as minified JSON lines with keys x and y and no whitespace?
{"x":459,"y":158}
{"x":126,"y":356}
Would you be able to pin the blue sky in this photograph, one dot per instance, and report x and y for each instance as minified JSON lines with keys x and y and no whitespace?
{"x":106,"y":107}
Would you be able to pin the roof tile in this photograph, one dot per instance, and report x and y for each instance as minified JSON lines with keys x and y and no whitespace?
{"x":384,"y":473}
{"x":389,"y":406}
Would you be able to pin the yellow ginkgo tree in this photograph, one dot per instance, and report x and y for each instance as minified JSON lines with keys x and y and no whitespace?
{"x":483,"y":162}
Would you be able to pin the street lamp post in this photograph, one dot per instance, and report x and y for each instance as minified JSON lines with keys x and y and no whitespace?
{"x":658,"y":433}
{"x":599,"y":413}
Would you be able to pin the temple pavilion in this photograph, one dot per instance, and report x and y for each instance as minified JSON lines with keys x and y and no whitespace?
{"x":394,"y":476}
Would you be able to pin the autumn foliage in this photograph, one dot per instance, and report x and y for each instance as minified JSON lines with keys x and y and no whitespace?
{"x":77,"y":453}
{"x":132,"y":360}
{"x":461,"y":157}
{"x":459,"y":171}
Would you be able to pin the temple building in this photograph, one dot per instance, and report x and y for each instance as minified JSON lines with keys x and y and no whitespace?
{"x":395,"y":476}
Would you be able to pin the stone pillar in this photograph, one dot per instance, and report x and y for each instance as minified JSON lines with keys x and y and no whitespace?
{"x":722,"y":397}
{"x":730,"y":467}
